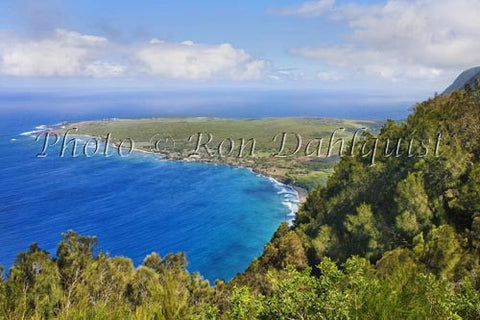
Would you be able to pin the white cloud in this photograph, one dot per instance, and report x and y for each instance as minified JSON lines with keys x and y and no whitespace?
{"x":188,"y":60}
{"x":66,"y":53}
{"x":311,"y":8}
{"x":329,"y":76}
{"x":400,"y":39}
{"x":71,"y":54}
{"x":349,"y":61}
{"x":101,"y":69}
{"x":291,"y":74}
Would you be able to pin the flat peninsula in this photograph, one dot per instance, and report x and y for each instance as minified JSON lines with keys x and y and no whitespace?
{"x":294,"y":151}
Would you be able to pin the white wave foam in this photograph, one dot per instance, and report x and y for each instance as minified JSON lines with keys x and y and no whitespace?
{"x":291,"y":199}
{"x":38,"y":129}
{"x":63,"y":123}
{"x":30,"y":133}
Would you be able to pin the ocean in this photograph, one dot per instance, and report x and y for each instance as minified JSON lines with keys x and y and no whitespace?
{"x":220,"y":216}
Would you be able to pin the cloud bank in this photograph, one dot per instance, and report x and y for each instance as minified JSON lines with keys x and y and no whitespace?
{"x":71,"y":54}
{"x":188,"y":60}
{"x":65,"y":53}
{"x":398,"y":39}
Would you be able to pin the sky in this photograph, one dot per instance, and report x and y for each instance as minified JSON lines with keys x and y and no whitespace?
{"x":411,"y":46}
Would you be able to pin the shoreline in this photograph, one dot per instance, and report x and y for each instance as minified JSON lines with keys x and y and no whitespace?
{"x":244,"y":143}
{"x":300,"y":192}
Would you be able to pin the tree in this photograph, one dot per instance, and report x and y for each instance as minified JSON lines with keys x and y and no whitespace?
{"x":243,"y":304}
{"x":467,"y":203}
{"x":33,"y":288}
{"x":363,"y":231}
{"x":442,"y":252}
{"x":74,"y":254}
{"x":173,"y":290}
{"x":414,"y":214}
{"x":293,"y":297}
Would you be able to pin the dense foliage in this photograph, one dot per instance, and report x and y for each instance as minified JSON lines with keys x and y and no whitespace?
{"x":396,"y":240}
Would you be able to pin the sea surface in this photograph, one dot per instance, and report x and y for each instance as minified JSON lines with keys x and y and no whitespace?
{"x":220,"y":216}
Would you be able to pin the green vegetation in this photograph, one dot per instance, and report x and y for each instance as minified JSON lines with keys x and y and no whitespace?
{"x":80,"y":285}
{"x":157,"y":135}
{"x":396,"y":240}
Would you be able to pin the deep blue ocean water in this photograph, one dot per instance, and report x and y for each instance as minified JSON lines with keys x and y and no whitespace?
{"x":219,"y":215}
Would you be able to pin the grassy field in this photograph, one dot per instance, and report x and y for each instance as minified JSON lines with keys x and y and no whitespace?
{"x":170,"y":136}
